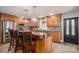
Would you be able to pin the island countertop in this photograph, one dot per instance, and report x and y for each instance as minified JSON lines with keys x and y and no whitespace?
{"x":46,"y":30}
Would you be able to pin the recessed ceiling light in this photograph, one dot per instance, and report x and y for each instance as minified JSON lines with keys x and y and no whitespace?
{"x":25,"y":10}
{"x":35,"y":6}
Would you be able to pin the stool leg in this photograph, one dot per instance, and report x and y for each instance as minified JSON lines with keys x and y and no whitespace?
{"x":10,"y":44}
{"x":16,"y":46}
{"x":23,"y":46}
{"x":13,"y":43}
{"x":31,"y":47}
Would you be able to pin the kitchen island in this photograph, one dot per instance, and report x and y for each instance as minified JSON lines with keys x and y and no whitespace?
{"x":41,"y":43}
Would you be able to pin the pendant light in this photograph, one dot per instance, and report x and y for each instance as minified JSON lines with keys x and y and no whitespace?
{"x":34,"y":14}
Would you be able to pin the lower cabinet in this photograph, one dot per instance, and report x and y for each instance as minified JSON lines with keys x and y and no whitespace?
{"x":49,"y":46}
{"x":55,"y":36}
{"x":43,"y":45}
{"x":40,"y":45}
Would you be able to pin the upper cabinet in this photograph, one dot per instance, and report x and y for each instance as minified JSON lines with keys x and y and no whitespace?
{"x":54,"y":20}
{"x":7,"y":17}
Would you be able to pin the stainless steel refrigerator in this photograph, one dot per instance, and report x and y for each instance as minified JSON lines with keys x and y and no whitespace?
{"x":6,"y":26}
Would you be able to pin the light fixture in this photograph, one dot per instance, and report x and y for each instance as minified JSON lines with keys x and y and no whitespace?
{"x":40,"y":16}
{"x":34,"y":19}
{"x":50,"y":14}
{"x":25,"y":10}
{"x":34,"y":11}
{"x":34,"y":6}
{"x":26,"y":21}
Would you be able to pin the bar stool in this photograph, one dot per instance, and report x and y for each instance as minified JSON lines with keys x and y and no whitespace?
{"x":19,"y":42}
{"x":11,"y":39}
{"x":27,"y":38}
{"x":14,"y":41}
{"x":15,"y":34}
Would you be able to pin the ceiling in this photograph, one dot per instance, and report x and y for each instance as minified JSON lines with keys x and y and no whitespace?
{"x":35,"y":11}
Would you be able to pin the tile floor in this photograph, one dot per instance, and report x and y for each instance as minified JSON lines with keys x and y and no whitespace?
{"x":65,"y":48}
{"x":57,"y":48}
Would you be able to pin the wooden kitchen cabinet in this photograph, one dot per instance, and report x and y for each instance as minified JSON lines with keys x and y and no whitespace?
{"x":54,"y":20}
{"x":50,"y":21}
{"x":40,"y":45}
{"x":49,"y":44}
{"x":7,"y":17}
{"x":55,"y":36}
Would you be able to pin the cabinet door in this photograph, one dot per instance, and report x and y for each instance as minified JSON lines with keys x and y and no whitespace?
{"x":50,"y":21}
{"x":56,"y":20}
{"x":56,"y":36}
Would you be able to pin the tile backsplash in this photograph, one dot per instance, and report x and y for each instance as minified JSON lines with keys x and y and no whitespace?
{"x":54,"y":28}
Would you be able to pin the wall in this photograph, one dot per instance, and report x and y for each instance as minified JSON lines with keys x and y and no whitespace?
{"x":74,"y":13}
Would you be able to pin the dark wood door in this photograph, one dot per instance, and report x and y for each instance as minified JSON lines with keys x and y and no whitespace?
{"x":71,"y":30}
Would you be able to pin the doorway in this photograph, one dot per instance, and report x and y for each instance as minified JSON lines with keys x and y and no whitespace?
{"x":71,"y":30}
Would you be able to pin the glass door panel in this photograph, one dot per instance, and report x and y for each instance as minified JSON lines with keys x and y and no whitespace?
{"x":67,"y":27}
{"x":73,"y":27}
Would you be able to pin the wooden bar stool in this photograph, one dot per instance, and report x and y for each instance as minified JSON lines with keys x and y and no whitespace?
{"x":15,"y":33}
{"x":27,"y":38}
{"x":14,"y":41}
{"x":19,"y":42}
{"x":11,"y":39}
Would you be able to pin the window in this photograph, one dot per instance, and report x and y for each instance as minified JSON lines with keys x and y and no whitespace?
{"x":43,"y":23}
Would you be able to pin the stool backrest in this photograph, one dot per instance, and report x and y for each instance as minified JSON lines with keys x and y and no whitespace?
{"x":27,"y":36}
{"x":11,"y":33}
{"x":15,"y":33}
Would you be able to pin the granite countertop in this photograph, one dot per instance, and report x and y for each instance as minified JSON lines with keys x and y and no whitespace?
{"x":41,"y":34}
{"x":47,"y":30}
{"x":38,"y":33}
